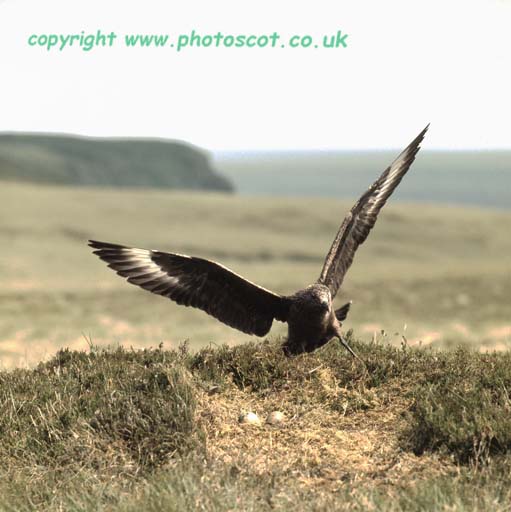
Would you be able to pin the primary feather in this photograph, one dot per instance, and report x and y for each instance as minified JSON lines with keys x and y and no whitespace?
{"x":362,"y":217}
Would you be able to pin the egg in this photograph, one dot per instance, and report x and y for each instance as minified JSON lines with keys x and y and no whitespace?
{"x":249,"y":418}
{"x":275,"y":418}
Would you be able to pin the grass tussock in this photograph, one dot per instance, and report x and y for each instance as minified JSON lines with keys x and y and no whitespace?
{"x":120,"y":411}
{"x":466,"y":409}
{"x":157,"y":429}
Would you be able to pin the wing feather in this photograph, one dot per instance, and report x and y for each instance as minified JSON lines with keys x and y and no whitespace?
{"x":362,"y":217}
{"x":199,"y":283}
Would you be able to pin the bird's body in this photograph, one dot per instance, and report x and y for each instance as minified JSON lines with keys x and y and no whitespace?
{"x":311,"y":320}
{"x":239,"y":303}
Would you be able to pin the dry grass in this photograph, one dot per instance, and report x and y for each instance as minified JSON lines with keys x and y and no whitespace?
{"x":316,"y":450}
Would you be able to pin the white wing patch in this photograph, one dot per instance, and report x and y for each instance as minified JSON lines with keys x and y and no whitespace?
{"x":139,"y":268}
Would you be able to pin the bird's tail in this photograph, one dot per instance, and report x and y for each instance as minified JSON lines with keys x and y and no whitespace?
{"x":342,"y":312}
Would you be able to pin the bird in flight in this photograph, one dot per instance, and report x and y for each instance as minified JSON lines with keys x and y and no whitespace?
{"x":243,"y":305}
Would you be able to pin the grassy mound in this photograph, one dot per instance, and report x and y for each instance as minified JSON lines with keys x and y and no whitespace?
{"x":118,"y":411}
{"x":157,"y":429}
{"x":466,"y":408}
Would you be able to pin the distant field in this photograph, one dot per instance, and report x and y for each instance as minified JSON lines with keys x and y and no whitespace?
{"x":437,"y":275}
{"x":481,"y":178}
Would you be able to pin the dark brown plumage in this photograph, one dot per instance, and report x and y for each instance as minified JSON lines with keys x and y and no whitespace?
{"x":233,"y":300}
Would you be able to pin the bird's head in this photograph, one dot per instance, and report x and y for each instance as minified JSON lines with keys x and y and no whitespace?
{"x":321,"y":298}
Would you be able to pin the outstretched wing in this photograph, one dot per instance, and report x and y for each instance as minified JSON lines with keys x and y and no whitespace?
{"x":360,"y":220}
{"x":198,"y":283}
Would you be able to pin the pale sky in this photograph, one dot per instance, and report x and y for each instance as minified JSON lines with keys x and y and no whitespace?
{"x":407,"y":63}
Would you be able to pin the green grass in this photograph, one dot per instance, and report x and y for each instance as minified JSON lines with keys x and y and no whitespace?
{"x":199,"y":490}
{"x":142,"y":430}
{"x":78,"y":407}
{"x":466,"y":408}
{"x":439,"y":271}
